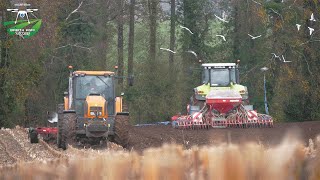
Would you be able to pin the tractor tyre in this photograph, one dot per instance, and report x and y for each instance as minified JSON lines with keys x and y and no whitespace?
{"x":60,"y":108}
{"x":67,"y":128}
{"x":33,"y":134}
{"x":121,"y":130}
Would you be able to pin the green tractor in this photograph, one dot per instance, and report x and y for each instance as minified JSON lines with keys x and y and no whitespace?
{"x":218,"y":76}
{"x":221,"y":101}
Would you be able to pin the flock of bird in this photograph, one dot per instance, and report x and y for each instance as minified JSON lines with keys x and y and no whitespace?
{"x":280,"y":57}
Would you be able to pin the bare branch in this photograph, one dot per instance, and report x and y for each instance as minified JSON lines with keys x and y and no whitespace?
{"x":276,"y":13}
{"x":75,"y":24}
{"x":74,"y":11}
{"x":82,"y":47}
{"x":74,"y":45}
{"x":305,"y":59}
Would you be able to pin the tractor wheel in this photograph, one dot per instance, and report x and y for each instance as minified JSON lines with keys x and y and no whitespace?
{"x":121,"y":130}
{"x":60,"y":108}
{"x":33,"y":136}
{"x":67,"y":128}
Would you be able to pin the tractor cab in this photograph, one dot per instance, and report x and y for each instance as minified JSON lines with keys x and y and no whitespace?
{"x":219,"y":76}
{"x":93,"y":93}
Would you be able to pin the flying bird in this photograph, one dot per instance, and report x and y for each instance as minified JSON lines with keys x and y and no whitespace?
{"x":53,"y":118}
{"x":168,"y":50}
{"x":276,"y":56}
{"x":192,"y":52}
{"x":186,"y":29}
{"x":312,"y":18}
{"x":298,"y":26}
{"x":284,"y":60}
{"x":223,"y":37}
{"x":254,"y":37}
{"x":256,"y":2}
{"x":221,"y":19}
{"x":310,"y":30}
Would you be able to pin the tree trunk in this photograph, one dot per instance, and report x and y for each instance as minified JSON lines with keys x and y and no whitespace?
{"x":131,"y":39}
{"x":120,"y":43}
{"x":152,"y":5}
{"x":172,"y":30}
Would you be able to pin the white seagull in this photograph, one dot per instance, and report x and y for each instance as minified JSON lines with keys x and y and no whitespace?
{"x":284,"y":60}
{"x":312,"y":18}
{"x":254,"y":37}
{"x":186,"y":29}
{"x":256,"y":2}
{"x":276,"y":56}
{"x":310,"y":30}
{"x":192,"y":52}
{"x":54,"y":118}
{"x":223,"y":37}
{"x":168,"y":50}
{"x":298,"y":26}
{"x":221,"y":19}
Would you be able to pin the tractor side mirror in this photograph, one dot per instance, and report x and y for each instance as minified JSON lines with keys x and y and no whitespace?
{"x":130,"y":80}
{"x":65,"y":93}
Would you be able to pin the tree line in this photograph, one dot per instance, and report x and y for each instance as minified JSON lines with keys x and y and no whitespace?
{"x":99,"y":34}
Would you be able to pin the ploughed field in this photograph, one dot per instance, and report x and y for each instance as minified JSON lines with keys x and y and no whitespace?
{"x":155,"y":135}
{"x":287,"y":151}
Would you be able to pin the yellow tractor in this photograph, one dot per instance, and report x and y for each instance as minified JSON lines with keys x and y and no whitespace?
{"x":91,"y":112}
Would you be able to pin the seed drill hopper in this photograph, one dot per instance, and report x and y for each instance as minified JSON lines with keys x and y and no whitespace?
{"x":221,"y":102}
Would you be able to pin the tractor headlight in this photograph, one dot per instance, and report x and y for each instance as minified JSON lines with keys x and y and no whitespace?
{"x":95,"y":113}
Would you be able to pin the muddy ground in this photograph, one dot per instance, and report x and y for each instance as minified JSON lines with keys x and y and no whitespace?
{"x":155,"y":135}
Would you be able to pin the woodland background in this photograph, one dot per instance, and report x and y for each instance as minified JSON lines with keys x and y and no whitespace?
{"x":99,"y":34}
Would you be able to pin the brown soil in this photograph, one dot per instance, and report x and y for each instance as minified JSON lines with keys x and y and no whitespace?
{"x":156,"y":135}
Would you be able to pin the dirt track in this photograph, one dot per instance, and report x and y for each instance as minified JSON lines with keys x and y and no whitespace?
{"x":15,"y":146}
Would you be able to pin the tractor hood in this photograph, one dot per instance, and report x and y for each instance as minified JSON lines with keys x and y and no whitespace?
{"x":202,"y":91}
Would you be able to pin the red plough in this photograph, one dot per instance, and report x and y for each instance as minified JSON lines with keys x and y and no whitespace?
{"x":49,"y":134}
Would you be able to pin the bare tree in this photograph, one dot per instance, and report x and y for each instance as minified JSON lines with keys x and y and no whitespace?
{"x":172,"y":30}
{"x":120,"y":42}
{"x":131,"y":38}
{"x":152,"y":6}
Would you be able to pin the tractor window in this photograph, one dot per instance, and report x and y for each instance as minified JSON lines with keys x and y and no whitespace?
{"x":233,"y":75}
{"x":85,"y":85}
{"x":205,"y":76}
{"x":220,"y":77}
